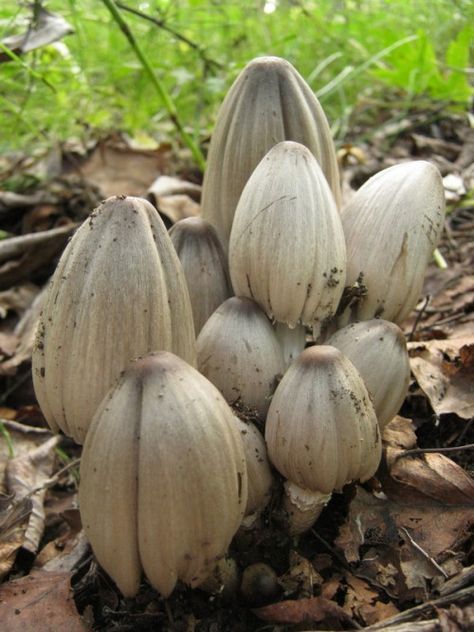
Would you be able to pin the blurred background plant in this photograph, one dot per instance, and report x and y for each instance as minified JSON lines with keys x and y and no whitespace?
{"x":359,"y":56}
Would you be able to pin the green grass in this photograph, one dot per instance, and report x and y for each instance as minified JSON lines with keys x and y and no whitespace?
{"x":352,"y":52}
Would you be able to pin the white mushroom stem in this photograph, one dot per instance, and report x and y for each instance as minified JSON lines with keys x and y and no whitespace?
{"x":303,"y":507}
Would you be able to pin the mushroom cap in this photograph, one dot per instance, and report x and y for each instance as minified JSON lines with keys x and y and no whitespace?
{"x":392,"y":225}
{"x":239,"y":353}
{"x":204,"y":264}
{"x":287,"y":248}
{"x":269,"y":102}
{"x":163,"y":476}
{"x":378,"y":350}
{"x":321,"y":429}
{"x":118,"y":292}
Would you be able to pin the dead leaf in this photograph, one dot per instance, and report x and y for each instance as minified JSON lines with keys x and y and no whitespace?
{"x":302,"y":610}
{"x":63,"y":554}
{"x":41,"y":602}
{"x":8,"y":344}
{"x":20,"y":256}
{"x":117,"y":169}
{"x":26,"y":476}
{"x":176,"y":207}
{"x":422,"y":477}
{"x":301,"y":578}
{"x":363,"y":602}
{"x":45,"y":28}
{"x":14,"y":517}
{"x":444,"y":370}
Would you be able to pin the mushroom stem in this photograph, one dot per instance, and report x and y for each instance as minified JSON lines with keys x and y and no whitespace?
{"x":303,"y":507}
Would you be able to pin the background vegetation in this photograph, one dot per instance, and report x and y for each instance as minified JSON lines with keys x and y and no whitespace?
{"x":357,"y":55}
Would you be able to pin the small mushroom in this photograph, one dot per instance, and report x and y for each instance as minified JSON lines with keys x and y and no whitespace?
{"x":378,"y":350}
{"x":321,"y":431}
{"x":163,"y":476}
{"x":204,"y":264}
{"x":239,"y":353}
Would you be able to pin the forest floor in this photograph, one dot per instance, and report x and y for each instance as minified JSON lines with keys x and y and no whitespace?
{"x":393,"y":554}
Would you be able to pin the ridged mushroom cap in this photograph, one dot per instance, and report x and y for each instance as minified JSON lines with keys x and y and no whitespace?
{"x":118,"y":292}
{"x":163,"y":476}
{"x":287,"y":248}
{"x":269,"y":102}
{"x":321,"y":429}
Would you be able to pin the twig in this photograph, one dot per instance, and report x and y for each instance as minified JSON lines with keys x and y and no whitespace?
{"x":163,"y":25}
{"x":415,"y":451}
{"x":157,"y":84}
{"x":421,"y":550}
{"x":419,"y":316}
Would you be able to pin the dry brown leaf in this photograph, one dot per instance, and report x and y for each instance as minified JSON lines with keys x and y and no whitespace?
{"x":301,"y":578}
{"x":444,"y":370}
{"x":14,"y":517}
{"x":26,"y":476}
{"x":117,"y":169}
{"x":363,"y":602}
{"x":64,"y":553}
{"x":41,"y":602}
{"x":176,"y":207}
{"x":422,"y":477}
{"x":379,"y":524}
{"x":302,"y":610}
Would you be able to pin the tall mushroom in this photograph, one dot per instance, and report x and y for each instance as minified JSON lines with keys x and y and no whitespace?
{"x":269,"y":102}
{"x":287,"y":248}
{"x":118,"y":291}
{"x":163,"y":476}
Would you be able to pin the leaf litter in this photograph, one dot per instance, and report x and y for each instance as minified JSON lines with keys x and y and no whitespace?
{"x":393,"y":554}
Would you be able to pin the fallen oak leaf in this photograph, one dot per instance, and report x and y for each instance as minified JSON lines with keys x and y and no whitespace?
{"x":313,"y":609}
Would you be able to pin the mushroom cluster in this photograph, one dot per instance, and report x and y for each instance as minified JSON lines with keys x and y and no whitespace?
{"x":255,"y":354}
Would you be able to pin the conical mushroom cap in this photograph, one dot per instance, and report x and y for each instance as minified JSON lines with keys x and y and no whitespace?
{"x":287,"y":248}
{"x":392,"y":225}
{"x":239,"y":353}
{"x":163,"y":476}
{"x":378,"y":350}
{"x":269,"y":102}
{"x":321,"y":429}
{"x":204,"y":265}
{"x":118,"y":291}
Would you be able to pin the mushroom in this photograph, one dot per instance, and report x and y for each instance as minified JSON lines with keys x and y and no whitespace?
{"x":117,"y":292}
{"x":239,"y":353}
{"x":269,"y":102}
{"x":163,"y":476}
{"x":287,"y":248}
{"x":259,"y":475}
{"x":392,"y":225}
{"x":378,"y":350}
{"x":321,"y":432}
{"x":204,"y":264}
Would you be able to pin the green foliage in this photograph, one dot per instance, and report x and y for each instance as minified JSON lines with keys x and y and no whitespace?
{"x":350,"y":51}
